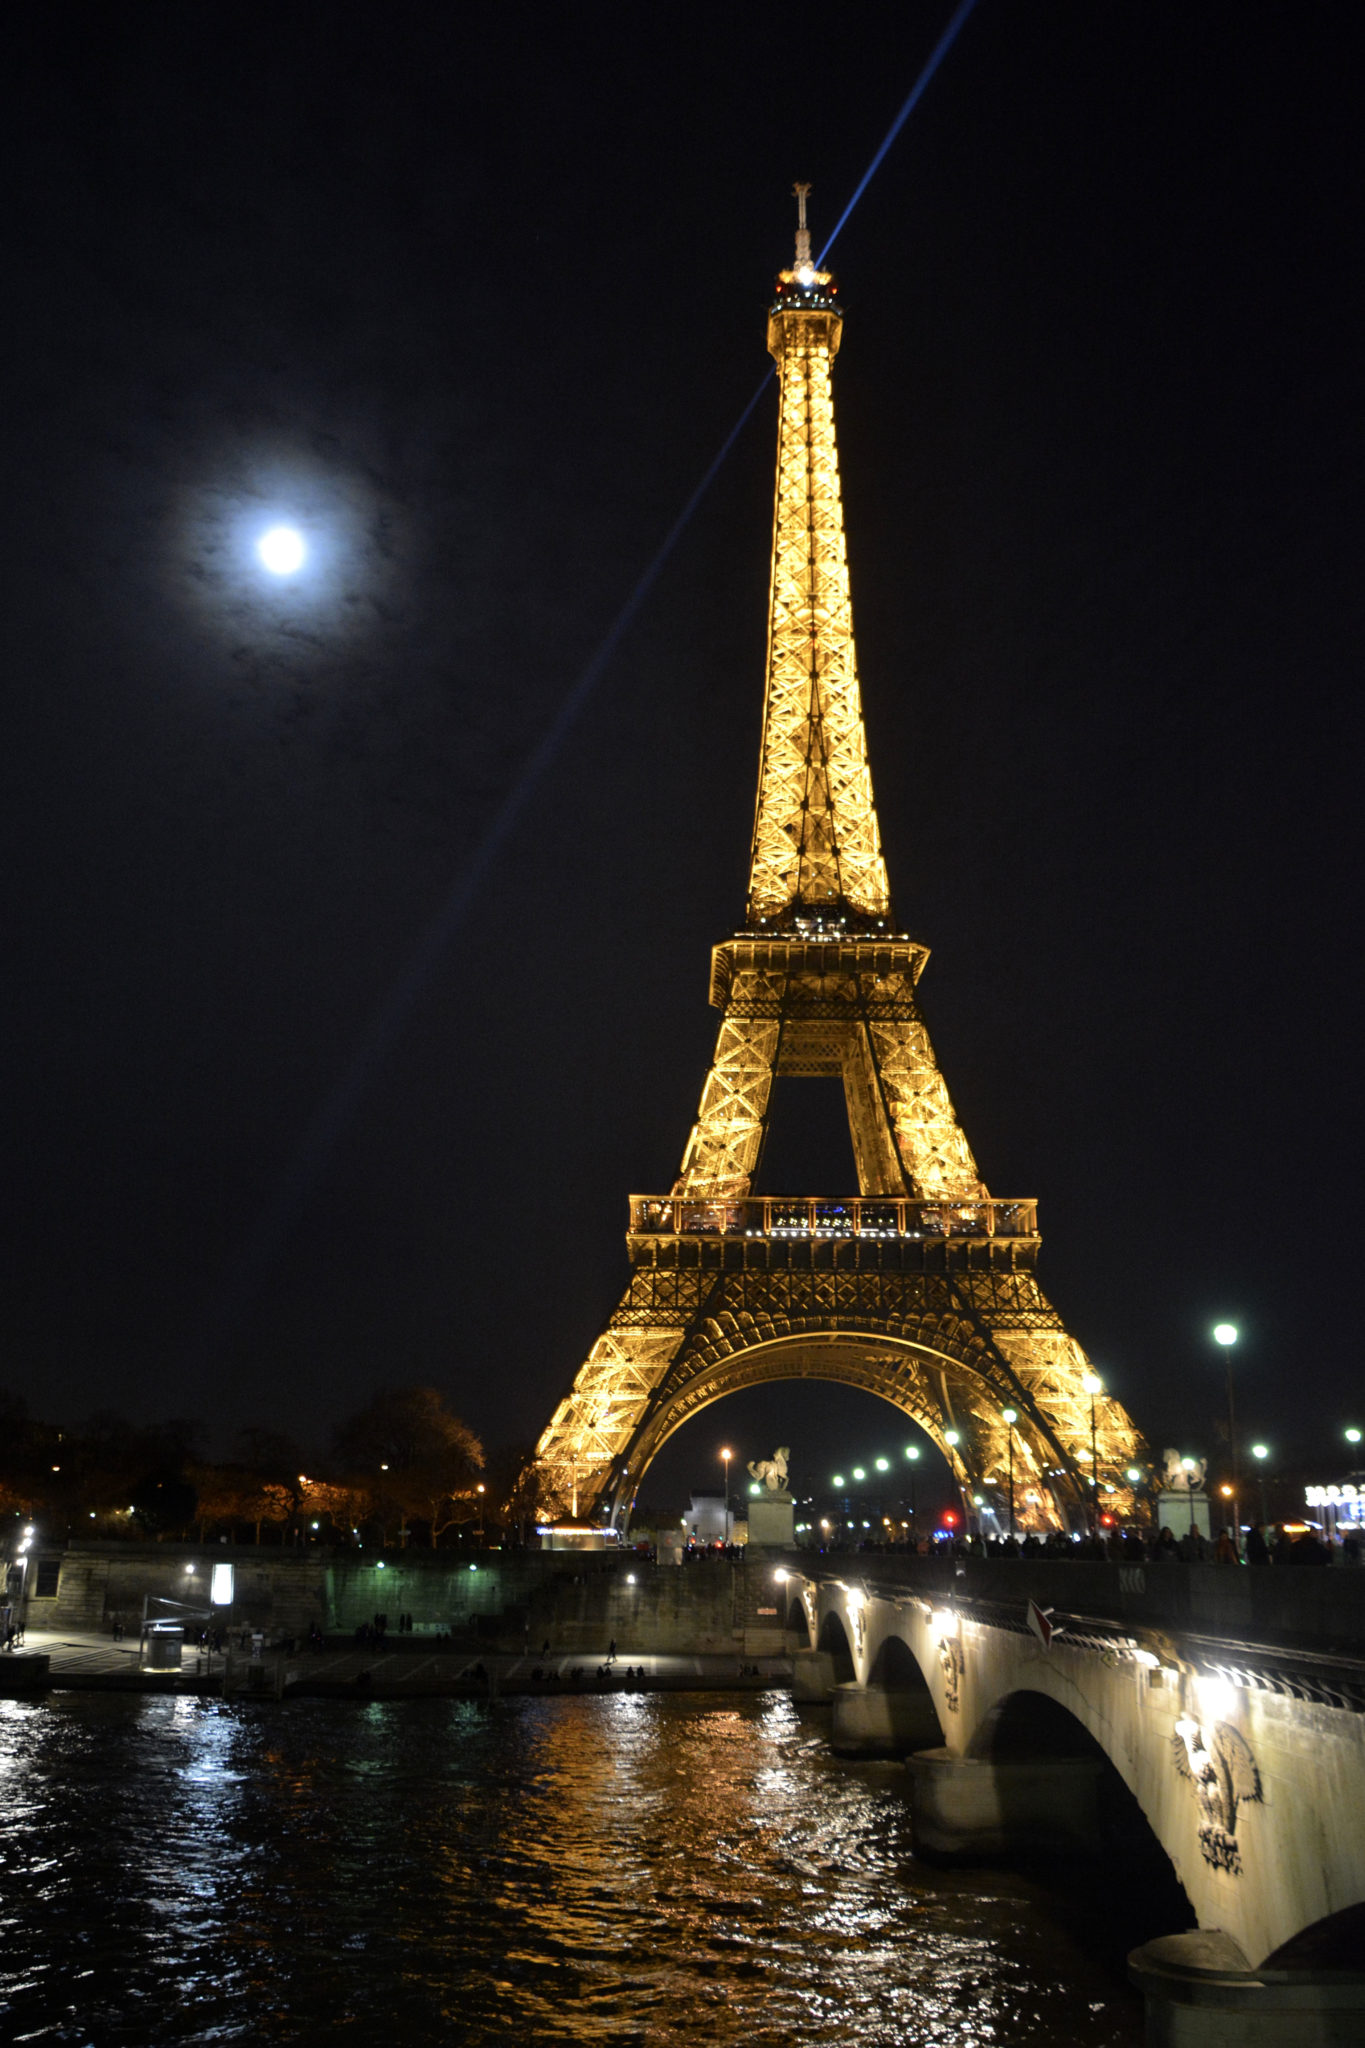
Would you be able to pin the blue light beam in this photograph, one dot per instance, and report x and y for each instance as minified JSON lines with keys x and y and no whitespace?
{"x":916,"y":93}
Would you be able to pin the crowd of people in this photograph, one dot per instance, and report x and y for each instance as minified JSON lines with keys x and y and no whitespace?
{"x":1273,"y":1544}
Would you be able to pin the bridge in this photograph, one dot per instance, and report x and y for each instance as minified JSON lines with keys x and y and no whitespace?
{"x":1222,"y":1710}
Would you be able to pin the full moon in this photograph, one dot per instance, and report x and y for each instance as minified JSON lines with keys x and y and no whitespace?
{"x":282,"y":550}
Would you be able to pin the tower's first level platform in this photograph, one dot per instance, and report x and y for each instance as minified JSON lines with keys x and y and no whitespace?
{"x":862,"y":1231}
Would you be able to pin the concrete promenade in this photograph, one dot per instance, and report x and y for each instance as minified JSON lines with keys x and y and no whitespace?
{"x":82,"y":1661}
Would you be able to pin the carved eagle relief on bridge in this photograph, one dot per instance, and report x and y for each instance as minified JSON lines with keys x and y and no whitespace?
{"x":1223,"y":1772}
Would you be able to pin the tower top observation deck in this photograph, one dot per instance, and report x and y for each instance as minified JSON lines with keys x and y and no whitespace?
{"x":803,"y":289}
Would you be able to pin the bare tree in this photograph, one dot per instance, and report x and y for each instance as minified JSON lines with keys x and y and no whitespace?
{"x":410,"y":1453}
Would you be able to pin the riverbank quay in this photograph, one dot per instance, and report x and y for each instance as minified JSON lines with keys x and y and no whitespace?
{"x":406,"y":1669}
{"x":507,"y":1601}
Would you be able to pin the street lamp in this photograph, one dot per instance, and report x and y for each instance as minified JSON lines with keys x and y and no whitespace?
{"x":1010,"y":1416}
{"x":725,"y":1457}
{"x":953,"y":1437}
{"x":1225,"y":1334}
{"x":1093,"y":1385}
{"x":1260,"y":1452}
{"x":912,"y":1453}
{"x":1189,"y":1466}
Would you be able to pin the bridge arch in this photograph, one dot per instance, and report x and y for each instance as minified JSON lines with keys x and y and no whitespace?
{"x":937,"y":1370}
{"x":896,"y":1669}
{"x":1024,"y":1725}
{"x":833,"y":1640}
{"x":1336,"y":1942}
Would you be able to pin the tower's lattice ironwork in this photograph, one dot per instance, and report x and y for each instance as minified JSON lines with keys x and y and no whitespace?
{"x":921,"y":1288}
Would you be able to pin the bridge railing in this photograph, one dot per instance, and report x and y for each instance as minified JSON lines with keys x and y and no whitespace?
{"x":814,"y":1216}
{"x":1268,"y":1607}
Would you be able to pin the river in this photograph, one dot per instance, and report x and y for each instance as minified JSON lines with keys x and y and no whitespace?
{"x":626,"y":1869}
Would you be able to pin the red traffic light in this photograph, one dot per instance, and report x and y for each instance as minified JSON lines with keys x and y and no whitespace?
{"x":949,"y":1519}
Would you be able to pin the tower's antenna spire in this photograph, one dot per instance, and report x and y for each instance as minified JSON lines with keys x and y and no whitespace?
{"x":803,"y":261}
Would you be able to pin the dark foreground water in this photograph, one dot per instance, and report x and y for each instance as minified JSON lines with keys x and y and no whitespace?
{"x":664,"y":1868}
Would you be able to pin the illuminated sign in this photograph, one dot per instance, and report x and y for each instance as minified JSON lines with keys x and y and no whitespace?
{"x":220,"y":1590}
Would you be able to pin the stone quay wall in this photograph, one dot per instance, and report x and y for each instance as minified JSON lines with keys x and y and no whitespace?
{"x":579,"y":1602}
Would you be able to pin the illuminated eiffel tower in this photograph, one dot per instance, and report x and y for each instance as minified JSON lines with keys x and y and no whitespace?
{"x":921,"y":1288}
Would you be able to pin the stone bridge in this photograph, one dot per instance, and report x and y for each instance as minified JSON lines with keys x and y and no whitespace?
{"x":1229,"y":1704}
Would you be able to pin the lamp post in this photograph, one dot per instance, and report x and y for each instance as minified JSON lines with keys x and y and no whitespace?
{"x":1135,"y":1477}
{"x":1260,"y":1452}
{"x":1352,"y":1436}
{"x":912,"y":1453}
{"x":1225,"y":1334}
{"x":725,"y":1458}
{"x":1093,"y":1385}
{"x":1009,"y":1416}
{"x":1189,"y":1467}
{"x":953,"y":1438}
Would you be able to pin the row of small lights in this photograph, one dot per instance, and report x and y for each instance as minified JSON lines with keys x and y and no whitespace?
{"x":884,"y":1464}
{"x":1134,"y":1473}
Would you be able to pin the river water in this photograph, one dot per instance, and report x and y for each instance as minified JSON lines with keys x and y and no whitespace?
{"x":632,"y":1868}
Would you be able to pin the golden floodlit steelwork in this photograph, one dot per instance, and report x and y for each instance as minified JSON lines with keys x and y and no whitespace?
{"x":920,"y":1288}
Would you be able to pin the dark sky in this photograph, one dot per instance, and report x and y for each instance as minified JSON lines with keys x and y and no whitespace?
{"x":475,"y":296}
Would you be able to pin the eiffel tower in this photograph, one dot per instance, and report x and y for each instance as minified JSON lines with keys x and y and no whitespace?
{"x":922,"y":1287}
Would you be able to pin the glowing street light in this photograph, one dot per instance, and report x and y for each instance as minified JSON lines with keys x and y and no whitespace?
{"x":953,"y":1437}
{"x":912,"y":1453}
{"x":1225,"y":1335}
{"x":1260,"y":1452}
{"x":1189,"y":1466}
{"x":1009,"y":1417}
{"x":1094,"y":1385}
{"x":282,"y":550}
{"x":725,"y":1458}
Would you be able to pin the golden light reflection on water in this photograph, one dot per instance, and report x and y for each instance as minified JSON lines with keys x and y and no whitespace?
{"x":632,"y":1868}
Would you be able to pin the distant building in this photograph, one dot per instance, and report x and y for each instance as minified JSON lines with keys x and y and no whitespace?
{"x":705,"y":1519}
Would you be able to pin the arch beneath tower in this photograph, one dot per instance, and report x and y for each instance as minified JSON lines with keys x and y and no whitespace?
{"x":942,"y":1391}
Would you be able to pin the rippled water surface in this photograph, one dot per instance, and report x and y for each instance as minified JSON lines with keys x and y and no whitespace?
{"x":653,"y":1868}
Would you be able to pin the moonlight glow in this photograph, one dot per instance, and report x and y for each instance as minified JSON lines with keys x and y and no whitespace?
{"x":282,"y":550}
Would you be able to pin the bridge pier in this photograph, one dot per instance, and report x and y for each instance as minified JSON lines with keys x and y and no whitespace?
{"x":1201,"y":1992}
{"x":969,"y":1809}
{"x":813,"y":1678}
{"x":872,"y":1720}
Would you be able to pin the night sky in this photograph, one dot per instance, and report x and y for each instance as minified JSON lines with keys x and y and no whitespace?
{"x":474,"y":298}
